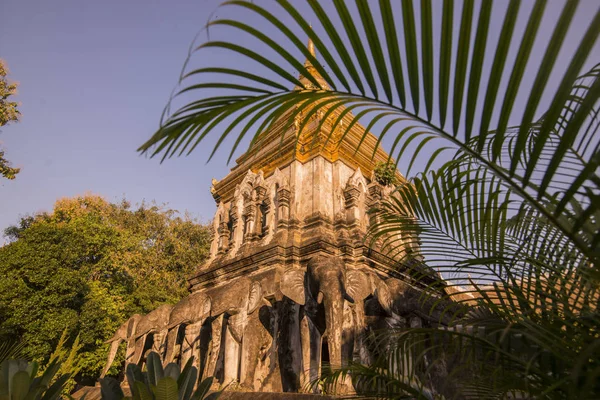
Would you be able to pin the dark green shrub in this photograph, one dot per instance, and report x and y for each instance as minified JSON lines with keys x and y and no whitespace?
{"x":385,"y":174}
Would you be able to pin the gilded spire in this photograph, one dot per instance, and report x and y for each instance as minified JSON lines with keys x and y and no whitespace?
{"x":311,"y":68}
{"x":311,"y":50}
{"x":311,"y":47}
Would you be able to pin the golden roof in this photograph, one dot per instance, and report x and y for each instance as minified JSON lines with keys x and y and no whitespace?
{"x":281,"y":144}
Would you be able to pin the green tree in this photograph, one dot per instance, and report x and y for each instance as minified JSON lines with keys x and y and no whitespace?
{"x":511,"y":212}
{"x":89,"y":265}
{"x":8,"y":113}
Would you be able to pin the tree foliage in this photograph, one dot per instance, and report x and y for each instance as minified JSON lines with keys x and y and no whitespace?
{"x":89,"y":265}
{"x":385,"y":174}
{"x":8,"y":113}
{"x":513,"y":211}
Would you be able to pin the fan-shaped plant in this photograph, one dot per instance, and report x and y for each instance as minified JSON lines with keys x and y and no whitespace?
{"x":385,"y":174}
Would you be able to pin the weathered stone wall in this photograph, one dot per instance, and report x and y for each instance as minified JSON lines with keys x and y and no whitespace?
{"x":302,"y":194}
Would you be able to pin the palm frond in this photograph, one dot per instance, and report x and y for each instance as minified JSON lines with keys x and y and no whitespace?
{"x":567,"y":176}
{"x":485,"y":359}
{"x":518,"y":265}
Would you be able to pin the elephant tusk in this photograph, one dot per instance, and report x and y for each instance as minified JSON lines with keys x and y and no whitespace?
{"x":320,"y":298}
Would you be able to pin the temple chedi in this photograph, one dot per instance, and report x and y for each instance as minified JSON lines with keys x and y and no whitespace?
{"x":291,"y":285}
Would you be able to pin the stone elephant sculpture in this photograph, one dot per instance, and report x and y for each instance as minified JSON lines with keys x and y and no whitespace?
{"x":156,"y":323}
{"x":191,"y":311}
{"x":400,"y":300}
{"x":125,"y":332}
{"x":238,"y":302}
{"x":328,"y":282}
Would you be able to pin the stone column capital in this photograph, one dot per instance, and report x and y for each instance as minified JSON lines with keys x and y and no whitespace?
{"x":351,"y":196}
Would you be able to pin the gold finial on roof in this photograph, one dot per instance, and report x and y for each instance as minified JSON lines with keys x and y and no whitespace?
{"x":311,"y":50}
{"x":311,"y":47}
{"x":312,"y":70}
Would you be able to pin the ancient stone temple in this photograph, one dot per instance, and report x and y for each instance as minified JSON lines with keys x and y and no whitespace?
{"x":290,"y":286}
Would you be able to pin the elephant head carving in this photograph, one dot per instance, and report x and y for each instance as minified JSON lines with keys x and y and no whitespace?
{"x":384,"y":295}
{"x":239,"y":301}
{"x":398,"y":298}
{"x":125,"y":332}
{"x":192,"y":311}
{"x":324,"y":274}
{"x":327,"y":281}
{"x":251,"y":300}
{"x":155,"y":322}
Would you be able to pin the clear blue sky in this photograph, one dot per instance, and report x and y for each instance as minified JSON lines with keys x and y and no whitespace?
{"x":94,"y":78}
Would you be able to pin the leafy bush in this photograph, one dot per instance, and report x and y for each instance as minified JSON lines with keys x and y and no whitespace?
{"x":385,"y":174}
{"x":18,"y":376}
{"x":157,"y":383}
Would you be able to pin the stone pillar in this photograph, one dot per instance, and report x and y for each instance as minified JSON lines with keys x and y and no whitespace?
{"x":250,"y":221}
{"x":268,"y":214}
{"x":232,"y":358}
{"x":283,"y":196}
{"x":375,"y":194}
{"x":237,"y":227}
{"x":224,"y":233}
{"x":260,"y":192}
{"x":351,"y":197}
{"x":374,"y":201}
{"x":159,"y":345}
{"x":215,"y":238}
